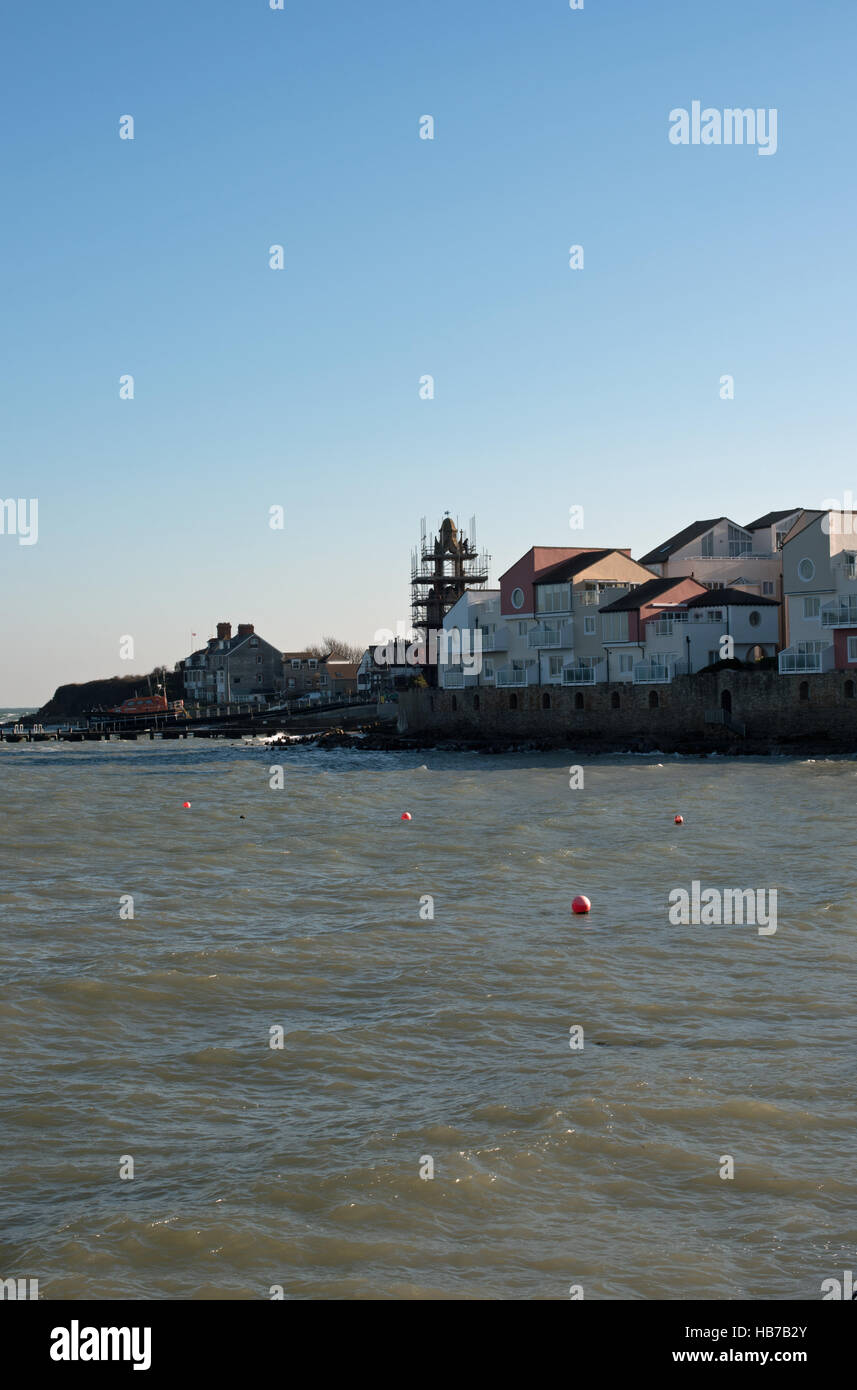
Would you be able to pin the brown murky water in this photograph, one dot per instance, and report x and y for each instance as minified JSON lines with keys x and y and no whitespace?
{"x":406,"y":1039}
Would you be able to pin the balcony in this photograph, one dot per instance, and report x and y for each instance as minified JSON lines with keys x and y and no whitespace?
{"x":841,"y":613}
{"x":794,"y":661}
{"x":547,"y":635}
{"x":579,"y":675}
{"x":654,"y":672}
{"x":508,"y":676}
{"x":496,"y":641}
{"x":664,"y":627}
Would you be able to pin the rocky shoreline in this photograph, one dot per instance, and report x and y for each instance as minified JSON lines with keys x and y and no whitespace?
{"x":377,"y":740}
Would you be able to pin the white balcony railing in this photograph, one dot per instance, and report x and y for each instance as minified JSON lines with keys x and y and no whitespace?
{"x":841,"y":613}
{"x":507,"y":676}
{"x":663,"y":627}
{"x":578,"y":675}
{"x":653,"y":672}
{"x":551,"y":635}
{"x":793,"y":661}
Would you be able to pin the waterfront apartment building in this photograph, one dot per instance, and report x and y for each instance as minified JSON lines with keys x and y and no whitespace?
{"x":641,"y":634}
{"x":549,"y":602}
{"x":542,"y":627}
{"x":689,"y":635}
{"x":721,"y":554}
{"x":820,"y":592}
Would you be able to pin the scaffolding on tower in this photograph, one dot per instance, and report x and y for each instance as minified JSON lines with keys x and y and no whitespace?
{"x":441,"y":570}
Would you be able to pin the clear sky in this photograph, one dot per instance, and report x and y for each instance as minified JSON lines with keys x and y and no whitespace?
{"x":554,"y":387}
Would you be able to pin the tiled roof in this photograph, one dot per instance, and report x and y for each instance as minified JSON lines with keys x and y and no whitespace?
{"x":728,"y":598}
{"x":643,"y":594}
{"x":681,"y":538}
{"x":770,"y":519}
{"x":567,"y":569}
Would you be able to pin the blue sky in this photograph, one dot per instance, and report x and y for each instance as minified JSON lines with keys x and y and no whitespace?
{"x":403,"y":257}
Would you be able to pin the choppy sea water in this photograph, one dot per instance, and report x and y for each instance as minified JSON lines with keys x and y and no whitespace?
{"x":405,"y":1038}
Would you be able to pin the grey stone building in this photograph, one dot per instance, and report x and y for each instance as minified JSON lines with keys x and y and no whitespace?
{"x":231,"y":669}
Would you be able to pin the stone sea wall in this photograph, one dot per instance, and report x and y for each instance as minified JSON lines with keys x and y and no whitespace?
{"x":763,"y":709}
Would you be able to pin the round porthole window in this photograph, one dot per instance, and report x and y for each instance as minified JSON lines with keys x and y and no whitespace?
{"x":755,"y":619}
{"x":806,"y":570}
{"x":517,"y":598}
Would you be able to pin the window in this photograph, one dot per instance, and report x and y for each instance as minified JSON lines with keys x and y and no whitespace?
{"x":755,"y":618}
{"x":653,"y":699}
{"x":522,"y":629}
{"x":614,"y":700}
{"x":517,"y":598}
{"x":475,"y":701}
{"x":254,"y":641}
{"x":291,"y":682}
{"x":626,"y":663}
{"x":488,"y":670}
{"x":555,"y":665}
{"x":739,"y":542}
{"x":614,"y":627}
{"x":767,"y":586}
{"x":806,"y":570}
{"x":712,"y":657}
{"x":553,"y":598}
{"x":812,"y":607}
{"x":312,"y":663}
{"x":589,"y":625}
{"x":296,"y":665}
{"x":259,"y":678}
{"x":852,"y":648}
{"x":546,"y":701}
{"x":714,"y":615}
{"x":804,"y":690}
{"x":707,"y":547}
{"x":578,"y":699}
{"x":513,"y":702}
{"x":258,"y":661}
{"x":849,"y":690}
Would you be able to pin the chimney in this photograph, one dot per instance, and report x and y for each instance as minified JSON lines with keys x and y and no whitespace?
{"x":224,"y":632}
{"x":245,"y":629}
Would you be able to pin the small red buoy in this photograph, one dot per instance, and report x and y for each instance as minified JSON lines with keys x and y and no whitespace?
{"x":406,"y":815}
{"x":679,"y":820}
{"x":186,"y":805}
{"x":581,"y":904}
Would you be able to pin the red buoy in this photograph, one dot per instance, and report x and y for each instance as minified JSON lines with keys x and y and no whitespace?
{"x":679,"y":820}
{"x":186,"y":805}
{"x":406,"y":815}
{"x":581,"y":904}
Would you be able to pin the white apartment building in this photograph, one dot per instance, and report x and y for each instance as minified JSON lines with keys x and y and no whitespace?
{"x":689,"y":636}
